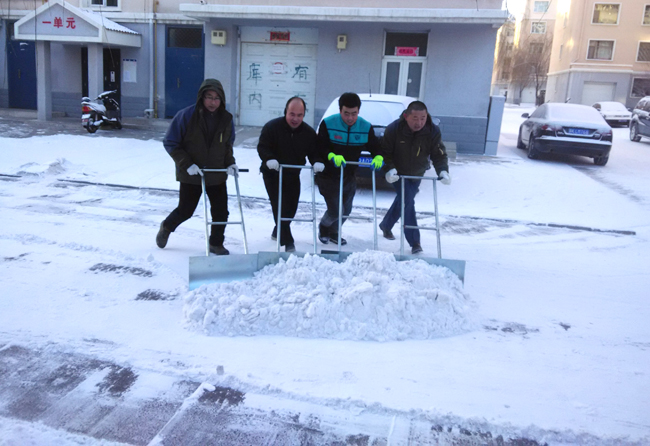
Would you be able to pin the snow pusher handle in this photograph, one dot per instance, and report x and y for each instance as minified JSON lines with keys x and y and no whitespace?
{"x":205,"y":209}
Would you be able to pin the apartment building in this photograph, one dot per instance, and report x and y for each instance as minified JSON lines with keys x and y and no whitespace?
{"x":523,"y":52}
{"x":155,"y":53}
{"x":601,"y":52}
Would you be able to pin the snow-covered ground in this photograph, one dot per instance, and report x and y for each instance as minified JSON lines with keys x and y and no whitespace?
{"x":548,"y":338}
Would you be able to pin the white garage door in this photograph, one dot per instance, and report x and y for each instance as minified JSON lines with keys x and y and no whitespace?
{"x":597,"y":92}
{"x":270,"y":75}
{"x":528,"y":95}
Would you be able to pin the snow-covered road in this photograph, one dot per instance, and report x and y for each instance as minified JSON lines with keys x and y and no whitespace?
{"x":557,"y":277}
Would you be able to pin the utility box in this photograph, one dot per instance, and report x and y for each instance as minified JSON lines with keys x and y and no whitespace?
{"x":219,"y":37}
{"x":341,"y":41}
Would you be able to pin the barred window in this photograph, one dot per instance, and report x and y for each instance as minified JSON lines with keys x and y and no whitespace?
{"x":181,"y":37}
{"x":644,"y":52}
{"x":541,"y":6}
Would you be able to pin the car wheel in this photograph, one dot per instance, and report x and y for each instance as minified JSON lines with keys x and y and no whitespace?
{"x":634,"y":133}
{"x":533,"y":153}
{"x":601,"y":160}
{"x":520,"y":143}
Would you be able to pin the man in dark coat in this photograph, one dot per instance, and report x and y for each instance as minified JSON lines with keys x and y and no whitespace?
{"x":201,"y":136}
{"x":286,"y":140}
{"x":409,"y":145}
{"x":342,"y":137}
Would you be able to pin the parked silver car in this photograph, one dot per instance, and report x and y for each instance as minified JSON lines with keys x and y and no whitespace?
{"x":614,"y":112}
{"x":570,"y":129}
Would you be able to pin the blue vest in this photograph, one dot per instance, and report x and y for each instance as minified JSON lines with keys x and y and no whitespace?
{"x":339,"y":134}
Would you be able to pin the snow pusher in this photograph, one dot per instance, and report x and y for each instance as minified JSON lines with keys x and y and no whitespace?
{"x":219,"y":269}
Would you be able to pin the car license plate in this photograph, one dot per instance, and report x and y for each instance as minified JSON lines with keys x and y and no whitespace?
{"x":582,"y":132}
{"x":365,"y":159}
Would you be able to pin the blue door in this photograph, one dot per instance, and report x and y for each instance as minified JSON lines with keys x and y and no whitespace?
{"x":184,"y":67}
{"x":21,"y":68}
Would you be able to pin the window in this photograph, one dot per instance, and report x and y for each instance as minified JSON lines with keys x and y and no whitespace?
{"x":541,"y":6}
{"x":640,"y":87}
{"x":505,"y":75}
{"x":646,"y":15}
{"x":184,"y":37}
{"x":566,"y":17}
{"x":538,"y":28}
{"x":643,"y":55}
{"x":417,"y":40}
{"x":536,"y":48}
{"x":107,"y":3}
{"x":606,"y":13}
{"x":600,"y":50}
{"x":561,"y":49}
{"x":509,"y":47}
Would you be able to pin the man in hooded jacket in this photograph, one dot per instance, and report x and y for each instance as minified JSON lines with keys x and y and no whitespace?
{"x":409,"y":145}
{"x":201,"y":136}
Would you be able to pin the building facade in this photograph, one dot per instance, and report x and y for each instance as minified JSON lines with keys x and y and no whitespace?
{"x":601,"y":52}
{"x":155,"y":53}
{"x":523,"y":53}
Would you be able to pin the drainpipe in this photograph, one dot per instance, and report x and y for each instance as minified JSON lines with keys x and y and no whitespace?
{"x":155,"y":59}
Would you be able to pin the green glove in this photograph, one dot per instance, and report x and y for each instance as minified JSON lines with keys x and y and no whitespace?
{"x":377,"y":162}
{"x":336,"y":159}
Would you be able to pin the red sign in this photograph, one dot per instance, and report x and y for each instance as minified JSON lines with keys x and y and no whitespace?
{"x":58,"y":22}
{"x":280,"y":36}
{"x":413,"y":51}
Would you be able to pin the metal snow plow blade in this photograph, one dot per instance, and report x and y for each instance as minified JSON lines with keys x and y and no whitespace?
{"x":235,"y":267}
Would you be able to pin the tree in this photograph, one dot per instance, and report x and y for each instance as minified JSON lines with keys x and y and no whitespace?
{"x":530,"y":61}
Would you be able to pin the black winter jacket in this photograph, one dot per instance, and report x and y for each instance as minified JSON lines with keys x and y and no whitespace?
{"x":409,"y":152}
{"x":187,"y":143}
{"x":278,"y":141}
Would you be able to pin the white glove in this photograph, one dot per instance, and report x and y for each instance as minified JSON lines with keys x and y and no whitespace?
{"x":318,"y":167}
{"x":273,"y":164}
{"x":445,"y":178}
{"x":233,"y":170}
{"x":193,"y":170}
{"x":391,"y":176}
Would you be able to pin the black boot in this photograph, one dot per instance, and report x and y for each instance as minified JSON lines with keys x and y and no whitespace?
{"x":162,"y":236}
{"x":323,"y":234}
{"x":219,"y":250}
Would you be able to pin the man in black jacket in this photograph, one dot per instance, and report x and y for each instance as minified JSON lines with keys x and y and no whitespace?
{"x":201,"y":136}
{"x":286,"y":140}
{"x":409,"y":145}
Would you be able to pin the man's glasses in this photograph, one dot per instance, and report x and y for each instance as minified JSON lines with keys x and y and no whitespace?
{"x":212,"y":98}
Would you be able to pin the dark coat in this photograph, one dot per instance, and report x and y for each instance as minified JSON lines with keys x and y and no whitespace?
{"x":278,"y":141}
{"x":187,"y":140}
{"x":409,"y":152}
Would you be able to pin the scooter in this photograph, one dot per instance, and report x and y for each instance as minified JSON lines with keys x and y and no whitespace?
{"x":103,"y":110}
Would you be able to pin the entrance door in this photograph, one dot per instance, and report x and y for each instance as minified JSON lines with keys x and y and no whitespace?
{"x":271,"y":74}
{"x":403,"y":76}
{"x":184,"y":67}
{"x":112,"y":72}
{"x":21,"y":71}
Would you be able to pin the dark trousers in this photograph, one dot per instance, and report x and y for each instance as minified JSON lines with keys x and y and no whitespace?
{"x":290,"y":198}
{"x":188,"y":198}
{"x":329,"y":189}
{"x":411,"y":188}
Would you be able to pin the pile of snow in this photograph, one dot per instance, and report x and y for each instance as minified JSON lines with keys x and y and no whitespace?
{"x":370,"y":296}
{"x":56,"y":167}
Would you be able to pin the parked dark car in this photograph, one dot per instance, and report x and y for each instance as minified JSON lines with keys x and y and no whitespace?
{"x":640,"y":123}
{"x":570,"y":129}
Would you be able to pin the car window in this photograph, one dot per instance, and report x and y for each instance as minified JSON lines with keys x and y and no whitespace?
{"x":539,"y":112}
{"x":570,"y":112}
{"x":641,"y":104}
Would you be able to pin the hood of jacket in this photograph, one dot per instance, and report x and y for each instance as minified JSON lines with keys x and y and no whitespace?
{"x":211,"y":84}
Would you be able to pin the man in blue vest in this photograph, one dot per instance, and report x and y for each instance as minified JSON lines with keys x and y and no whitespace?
{"x":342,"y":137}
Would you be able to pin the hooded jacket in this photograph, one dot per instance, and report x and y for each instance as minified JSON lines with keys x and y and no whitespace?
{"x":187,"y":139}
{"x":409,"y":152}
